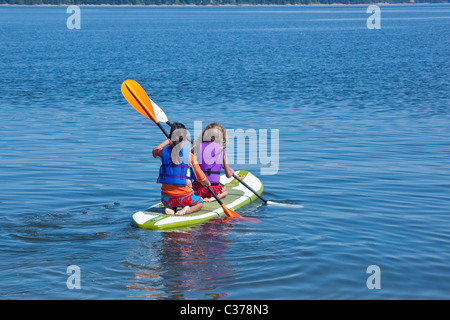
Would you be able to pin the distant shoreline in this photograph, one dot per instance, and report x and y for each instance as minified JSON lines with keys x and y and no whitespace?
{"x":226,"y":5}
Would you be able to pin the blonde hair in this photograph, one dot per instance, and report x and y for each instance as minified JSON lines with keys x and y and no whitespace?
{"x":213,"y":132}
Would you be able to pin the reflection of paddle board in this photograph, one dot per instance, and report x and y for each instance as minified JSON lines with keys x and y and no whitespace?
{"x":238,"y":196}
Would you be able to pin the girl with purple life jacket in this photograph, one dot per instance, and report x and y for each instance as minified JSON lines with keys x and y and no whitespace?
{"x":212,"y":157}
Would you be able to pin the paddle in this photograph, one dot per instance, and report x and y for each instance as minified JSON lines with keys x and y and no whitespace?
{"x":139,"y":100}
{"x":268,"y":202}
{"x":249,"y":188}
{"x":228,"y":212}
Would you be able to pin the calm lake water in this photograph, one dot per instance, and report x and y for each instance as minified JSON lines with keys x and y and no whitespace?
{"x":364,"y":145}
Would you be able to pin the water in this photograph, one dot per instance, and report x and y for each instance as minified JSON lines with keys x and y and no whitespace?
{"x":363,"y":120}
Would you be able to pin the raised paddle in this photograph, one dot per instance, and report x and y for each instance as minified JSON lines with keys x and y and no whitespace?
{"x":139,"y":100}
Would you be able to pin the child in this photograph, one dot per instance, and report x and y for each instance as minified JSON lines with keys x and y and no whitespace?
{"x":212,"y":157}
{"x":176,"y":190}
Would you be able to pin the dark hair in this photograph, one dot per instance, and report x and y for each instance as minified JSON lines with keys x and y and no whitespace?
{"x":177,"y":126}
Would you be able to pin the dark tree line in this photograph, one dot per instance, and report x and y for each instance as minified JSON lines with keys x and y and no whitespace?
{"x":206,"y":2}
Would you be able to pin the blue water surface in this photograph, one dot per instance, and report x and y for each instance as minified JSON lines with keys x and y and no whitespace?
{"x":364,"y":145}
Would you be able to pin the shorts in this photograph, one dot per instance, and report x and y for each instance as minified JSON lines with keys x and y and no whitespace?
{"x":174,"y":202}
{"x":203,"y":192}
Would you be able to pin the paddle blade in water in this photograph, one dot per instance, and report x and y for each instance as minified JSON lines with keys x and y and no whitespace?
{"x":229,"y":212}
{"x":138,"y":98}
{"x":280,"y":204}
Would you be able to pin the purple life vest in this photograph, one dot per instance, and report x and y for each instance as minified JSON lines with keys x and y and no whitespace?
{"x":210,"y":159}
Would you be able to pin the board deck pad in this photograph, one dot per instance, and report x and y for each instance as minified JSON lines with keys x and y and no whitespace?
{"x":238,"y":196}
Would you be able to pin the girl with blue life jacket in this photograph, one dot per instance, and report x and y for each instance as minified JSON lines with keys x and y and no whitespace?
{"x":174,"y":173}
{"x":212,"y":157}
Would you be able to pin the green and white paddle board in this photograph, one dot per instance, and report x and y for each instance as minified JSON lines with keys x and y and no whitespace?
{"x":238,"y":196}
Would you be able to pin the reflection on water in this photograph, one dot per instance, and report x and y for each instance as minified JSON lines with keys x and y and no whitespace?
{"x":186,"y":261}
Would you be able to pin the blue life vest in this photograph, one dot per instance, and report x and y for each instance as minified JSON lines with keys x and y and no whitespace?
{"x":171,"y":173}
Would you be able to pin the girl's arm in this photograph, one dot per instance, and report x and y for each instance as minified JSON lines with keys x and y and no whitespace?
{"x":157,"y":150}
{"x":198,"y":171}
{"x":228,"y":170}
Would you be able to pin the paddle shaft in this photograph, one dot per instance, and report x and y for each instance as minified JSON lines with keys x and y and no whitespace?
{"x":207,"y":187}
{"x":215,"y":196}
{"x":163,"y":130}
{"x":227,"y":212}
{"x":249,"y":188}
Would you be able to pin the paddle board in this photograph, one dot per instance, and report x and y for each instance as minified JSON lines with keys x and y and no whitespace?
{"x":238,"y":196}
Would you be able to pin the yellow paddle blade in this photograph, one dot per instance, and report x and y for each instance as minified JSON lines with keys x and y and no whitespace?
{"x":138,"y":98}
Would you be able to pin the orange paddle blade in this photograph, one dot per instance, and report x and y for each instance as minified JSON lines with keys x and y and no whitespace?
{"x":138,"y":98}
{"x":229,"y":212}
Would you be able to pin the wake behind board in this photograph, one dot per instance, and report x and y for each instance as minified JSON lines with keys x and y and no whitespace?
{"x":238,"y":196}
